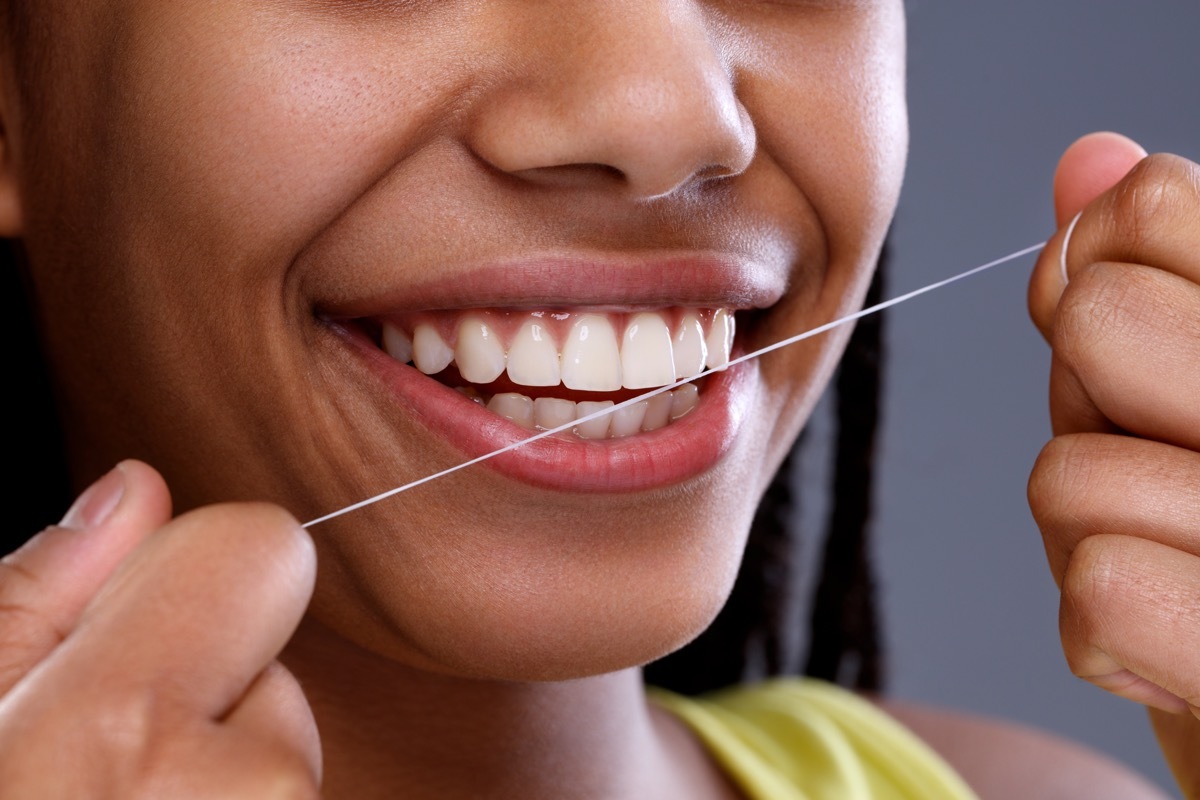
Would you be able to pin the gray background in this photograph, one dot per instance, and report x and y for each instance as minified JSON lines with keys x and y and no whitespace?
{"x":997,"y":92}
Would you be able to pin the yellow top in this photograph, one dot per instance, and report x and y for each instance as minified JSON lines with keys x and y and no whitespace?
{"x":803,"y":739}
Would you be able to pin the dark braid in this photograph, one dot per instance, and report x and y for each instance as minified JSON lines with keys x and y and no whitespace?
{"x":748,"y":639}
{"x":845,"y":643}
{"x":751,"y":638}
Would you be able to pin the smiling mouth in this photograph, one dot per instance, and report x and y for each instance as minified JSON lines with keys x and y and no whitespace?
{"x":542,"y":369}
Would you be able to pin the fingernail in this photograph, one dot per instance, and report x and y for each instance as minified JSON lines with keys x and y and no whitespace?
{"x":97,"y":503}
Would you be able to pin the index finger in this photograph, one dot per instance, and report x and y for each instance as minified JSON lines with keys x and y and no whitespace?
{"x":197,"y":612}
{"x":1150,"y":217}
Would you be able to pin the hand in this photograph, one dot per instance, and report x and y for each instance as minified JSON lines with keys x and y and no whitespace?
{"x":137,"y":652}
{"x":1117,"y":492}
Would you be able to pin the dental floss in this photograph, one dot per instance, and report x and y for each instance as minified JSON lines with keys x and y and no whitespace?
{"x":1062,"y":258}
{"x":828,"y":326}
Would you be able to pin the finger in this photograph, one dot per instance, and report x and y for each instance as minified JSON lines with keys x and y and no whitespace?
{"x":249,"y":771}
{"x":1179,"y":738}
{"x":198,"y":611}
{"x":46,"y":584}
{"x":222,"y":767}
{"x":274,"y":709}
{"x":1072,"y":409}
{"x":1131,"y":335}
{"x":1130,"y":620}
{"x":1149,"y":218}
{"x":1092,"y":484}
{"x":1090,"y":167}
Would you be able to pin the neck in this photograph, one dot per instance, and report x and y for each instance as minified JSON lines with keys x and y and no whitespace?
{"x":389,"y":730}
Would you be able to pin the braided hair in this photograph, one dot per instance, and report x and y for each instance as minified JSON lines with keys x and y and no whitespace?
{"x":750,"y":637}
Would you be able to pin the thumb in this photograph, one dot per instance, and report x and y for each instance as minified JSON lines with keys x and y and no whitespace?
{"x":1090,"y":167}
{"x":45,"y":585}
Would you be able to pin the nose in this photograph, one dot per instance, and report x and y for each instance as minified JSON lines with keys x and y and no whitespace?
{"x":633,"y":91}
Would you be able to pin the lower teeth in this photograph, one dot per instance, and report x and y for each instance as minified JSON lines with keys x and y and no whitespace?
{"x":547,"y":413}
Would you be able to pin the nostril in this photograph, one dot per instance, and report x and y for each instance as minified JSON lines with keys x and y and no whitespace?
{"x":570,"y":176}
{"x":715,"y":171}
{"x":638,"y":100}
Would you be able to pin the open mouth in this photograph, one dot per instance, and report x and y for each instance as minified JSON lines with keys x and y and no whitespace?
{"x":542,"y":369}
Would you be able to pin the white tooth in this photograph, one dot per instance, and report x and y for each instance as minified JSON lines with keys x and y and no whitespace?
{"x":683,"y":400}
{"x":658,"y":412}
{"x":720,"y":339}
{"x":431,"y":354}
{"x":552,"y":412}
{"x":596,"y":428}
{"x":646,"y":359}
{"x":533,"y":357}
{"x":516,"y":407}
{"x":396,"y":343}
{"x":591,"y":361}
{"x":479,"y":354}
{"x":627,"y":421}
{"x":689,"y":347}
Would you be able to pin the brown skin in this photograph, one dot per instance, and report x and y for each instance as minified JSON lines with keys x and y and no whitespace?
{"x":1117,"y":492}
{"x":235,"y":167}
{"x":196,"y":180}
{"x":186,"y":690}
{"x":1002,"y":760}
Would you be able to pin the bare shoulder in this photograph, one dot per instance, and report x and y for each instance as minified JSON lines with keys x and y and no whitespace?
{"x":1005,"y":760}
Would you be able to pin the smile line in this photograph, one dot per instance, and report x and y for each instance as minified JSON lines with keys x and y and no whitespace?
{"x":828,"y":326}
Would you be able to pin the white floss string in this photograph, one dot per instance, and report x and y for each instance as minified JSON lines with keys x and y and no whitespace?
{"x":828,"y":326}
{"x":1062,"y":258}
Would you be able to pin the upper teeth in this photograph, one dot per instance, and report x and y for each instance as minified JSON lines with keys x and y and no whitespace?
{"x":586,"y":351}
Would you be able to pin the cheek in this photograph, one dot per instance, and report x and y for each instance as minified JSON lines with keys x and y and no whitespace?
{"x":197,"y":159}
{"x":221,"y":138}
{"x":833,"y":118}
{"x":265,"y":130}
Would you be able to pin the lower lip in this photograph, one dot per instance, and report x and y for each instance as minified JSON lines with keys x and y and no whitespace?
{"x":684,"y":449}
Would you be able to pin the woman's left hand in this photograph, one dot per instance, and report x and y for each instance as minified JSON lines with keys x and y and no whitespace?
{"x":1116,"y":493}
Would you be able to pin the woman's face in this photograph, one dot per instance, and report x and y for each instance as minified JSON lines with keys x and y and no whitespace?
{"x":235,"y":210}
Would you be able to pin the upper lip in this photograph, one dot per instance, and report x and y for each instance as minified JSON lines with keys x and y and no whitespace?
{"x":707,"y":280}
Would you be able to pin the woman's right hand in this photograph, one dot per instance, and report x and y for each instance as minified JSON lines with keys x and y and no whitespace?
{"x":137,"y":652}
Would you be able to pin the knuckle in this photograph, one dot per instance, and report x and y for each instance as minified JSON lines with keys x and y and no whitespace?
{"x":122,"y":724}
{"x":1064,"y":493}
{"x":1098,"y":575}
{"x":23,"y":645}
{"x":1069,"y":476}
{"x":1158,"y":189}
{"x":1051,"y":479}
{"x":1079,"y":664}
{"x":1106,"y":304}
{"x":109,"y":739}
{"x":295,"y":783}
{"x":27,"y":629}
{"x":15,"y":576}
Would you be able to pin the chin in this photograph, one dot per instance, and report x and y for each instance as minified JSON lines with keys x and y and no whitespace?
{"x":541,"y":601}
{"x":564,"y":636}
